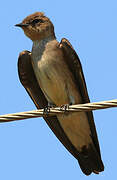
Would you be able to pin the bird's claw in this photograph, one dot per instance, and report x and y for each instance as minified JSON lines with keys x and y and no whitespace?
{"x":64,"y":108}
{"x":46,"y":110}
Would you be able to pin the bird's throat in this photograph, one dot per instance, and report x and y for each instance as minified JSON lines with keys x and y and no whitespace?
{"x":39,"y":47}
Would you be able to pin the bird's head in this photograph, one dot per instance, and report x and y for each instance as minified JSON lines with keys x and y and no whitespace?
{"x":37,"y":26}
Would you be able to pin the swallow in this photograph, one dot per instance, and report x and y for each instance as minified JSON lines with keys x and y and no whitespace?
{"x":52,"y":75}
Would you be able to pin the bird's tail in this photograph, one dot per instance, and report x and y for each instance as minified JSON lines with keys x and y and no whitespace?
{"x":90,"y":160}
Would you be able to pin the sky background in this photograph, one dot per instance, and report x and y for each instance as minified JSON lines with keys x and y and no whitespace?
{"x":28,"y":149}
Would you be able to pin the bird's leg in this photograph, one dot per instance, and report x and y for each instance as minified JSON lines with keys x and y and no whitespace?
{"x":65,"y":107}
{"x":47,"y":109}
{"x":51,"y":105}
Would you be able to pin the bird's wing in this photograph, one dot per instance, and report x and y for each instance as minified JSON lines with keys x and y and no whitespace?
{"x":73,"y":62}
{"x":29,"y":82}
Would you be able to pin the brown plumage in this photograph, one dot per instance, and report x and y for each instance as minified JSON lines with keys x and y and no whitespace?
{"x":52,"y":73}
{"x":31,"y":28}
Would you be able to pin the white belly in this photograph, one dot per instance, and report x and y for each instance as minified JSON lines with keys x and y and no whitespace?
{"x":57,"y":83}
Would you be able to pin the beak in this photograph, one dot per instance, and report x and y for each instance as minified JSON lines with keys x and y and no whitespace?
{"x":21,"y":25}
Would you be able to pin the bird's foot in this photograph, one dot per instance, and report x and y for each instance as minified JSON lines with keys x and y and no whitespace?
{"x":64,"y":108}
{"x":47,"y":109}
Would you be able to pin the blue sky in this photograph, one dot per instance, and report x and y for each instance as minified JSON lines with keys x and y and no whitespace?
{"x":28,"y":149}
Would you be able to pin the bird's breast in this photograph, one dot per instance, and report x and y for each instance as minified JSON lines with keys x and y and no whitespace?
{"x":58,"y":85}
{"x":54,"y":78}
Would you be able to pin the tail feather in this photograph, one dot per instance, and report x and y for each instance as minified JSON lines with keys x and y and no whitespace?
{"x":90,"y":160}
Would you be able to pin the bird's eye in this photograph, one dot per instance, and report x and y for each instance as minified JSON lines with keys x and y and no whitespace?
{"x":35,"y":21}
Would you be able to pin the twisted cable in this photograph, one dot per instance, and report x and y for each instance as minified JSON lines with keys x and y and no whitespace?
{"x":58,"y":110}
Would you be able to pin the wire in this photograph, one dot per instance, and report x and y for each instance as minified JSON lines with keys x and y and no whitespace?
{"x":58,"y":110}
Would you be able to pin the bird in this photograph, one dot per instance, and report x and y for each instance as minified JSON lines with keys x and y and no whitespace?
{"x":52,"y":75}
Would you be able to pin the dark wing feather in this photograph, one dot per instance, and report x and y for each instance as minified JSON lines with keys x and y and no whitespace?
{"x":28,"y":80}
{"x":75,"y":67}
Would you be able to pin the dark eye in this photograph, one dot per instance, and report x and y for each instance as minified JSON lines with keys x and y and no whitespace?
{"x":35,"y":21}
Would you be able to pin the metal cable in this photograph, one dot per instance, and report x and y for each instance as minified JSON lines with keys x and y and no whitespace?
{"x":58,"y":110}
